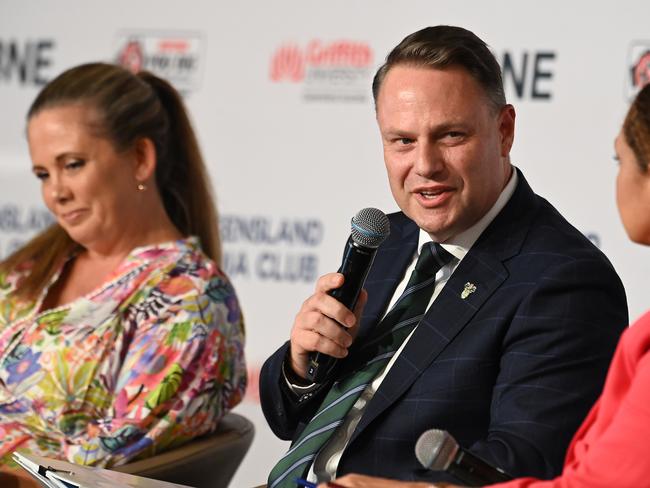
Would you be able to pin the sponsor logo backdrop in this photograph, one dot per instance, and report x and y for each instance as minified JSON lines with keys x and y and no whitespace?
{"x":280,"y":96}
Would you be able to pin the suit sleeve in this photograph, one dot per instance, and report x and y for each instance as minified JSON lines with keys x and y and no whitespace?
{"x":619,"y":457}
{"x":553,"y":364}
{"x":285,"y":413}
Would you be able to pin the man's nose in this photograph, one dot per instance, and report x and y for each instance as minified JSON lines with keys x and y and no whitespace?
{"x":428,"y":160}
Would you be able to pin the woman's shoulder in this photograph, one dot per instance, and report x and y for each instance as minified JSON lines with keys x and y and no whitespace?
{"x":200,"y":280}
{"x":185,"y":267}
{"x":636,"y":339}
{"x":10,"y":280}
{"x":14,"y":307}
{"x":178,"y":281}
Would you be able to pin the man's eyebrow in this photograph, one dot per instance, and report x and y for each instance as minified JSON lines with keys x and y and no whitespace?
{"x":397,"y":132}
{"x":441,"y":128}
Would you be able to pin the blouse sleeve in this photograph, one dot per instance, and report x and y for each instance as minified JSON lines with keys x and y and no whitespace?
{"x":182,"y":367}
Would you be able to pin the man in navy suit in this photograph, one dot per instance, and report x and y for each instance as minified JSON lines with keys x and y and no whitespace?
{"x":520,"y":328}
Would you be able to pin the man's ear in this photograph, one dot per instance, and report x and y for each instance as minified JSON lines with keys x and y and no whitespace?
{"x":145,"y":159}
{"x":507,"y":129}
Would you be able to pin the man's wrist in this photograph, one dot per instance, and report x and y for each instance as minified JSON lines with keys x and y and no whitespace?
{"x":293,"y":379}
{"x":303,"y":389}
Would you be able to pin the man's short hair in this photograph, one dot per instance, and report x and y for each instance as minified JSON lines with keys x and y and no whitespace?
{"x":444,"y":46}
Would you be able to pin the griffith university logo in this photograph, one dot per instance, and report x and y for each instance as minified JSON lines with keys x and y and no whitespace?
{"x":174,"y":56}
{"x":329,"y":71}
{"x":639,"y":67}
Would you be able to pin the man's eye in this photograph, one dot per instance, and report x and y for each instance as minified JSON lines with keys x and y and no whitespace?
{"x":405,"y":140}
{"x":454,"y":134}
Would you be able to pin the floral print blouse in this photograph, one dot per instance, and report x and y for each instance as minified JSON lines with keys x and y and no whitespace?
{"x":151,"y":359}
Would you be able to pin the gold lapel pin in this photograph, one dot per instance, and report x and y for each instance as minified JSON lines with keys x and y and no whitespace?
{"x":468,"y":290}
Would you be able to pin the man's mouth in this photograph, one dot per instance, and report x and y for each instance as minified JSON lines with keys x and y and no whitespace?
{"x":431,"y":194}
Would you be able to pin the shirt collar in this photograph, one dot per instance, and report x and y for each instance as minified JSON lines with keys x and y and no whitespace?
{"x":460,"y":244}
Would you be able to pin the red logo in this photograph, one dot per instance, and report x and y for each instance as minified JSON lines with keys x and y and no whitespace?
{"x":253,"y":384}
{"x":290,"y":62}
{"x":131,"y":57}
{"x":641,"y":70}
{"x":174,"y":56}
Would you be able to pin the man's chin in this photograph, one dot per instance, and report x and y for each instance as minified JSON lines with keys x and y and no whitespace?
{"x":434,"y":223}
{"x":437,"y":231}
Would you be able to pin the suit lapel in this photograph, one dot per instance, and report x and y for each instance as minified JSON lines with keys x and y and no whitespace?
{"x":386,"y":273}
{"x":444,"y":320}
{"x":388,"y":270}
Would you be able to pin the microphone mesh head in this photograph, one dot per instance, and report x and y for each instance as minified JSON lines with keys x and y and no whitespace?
{"x":370,"y":227}
{"x":436,"y":449}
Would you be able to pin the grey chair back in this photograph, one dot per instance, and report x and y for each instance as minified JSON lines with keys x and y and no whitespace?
{"x":206,"y":462}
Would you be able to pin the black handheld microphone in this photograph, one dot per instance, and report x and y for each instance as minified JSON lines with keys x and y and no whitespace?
{"x":370,"y":227}
{"x":437,"y":450}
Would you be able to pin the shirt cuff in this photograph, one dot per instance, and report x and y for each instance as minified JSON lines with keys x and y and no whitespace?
{"x":303,"y":392}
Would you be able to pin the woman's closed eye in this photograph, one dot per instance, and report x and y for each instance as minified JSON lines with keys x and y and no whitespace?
{"x":41,"y":174}
{"x":75,"y":164}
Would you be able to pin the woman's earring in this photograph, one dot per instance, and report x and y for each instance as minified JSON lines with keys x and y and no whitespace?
{"x":141,"y":187}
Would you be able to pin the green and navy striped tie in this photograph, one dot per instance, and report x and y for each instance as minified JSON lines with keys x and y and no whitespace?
{"x":391,"y":332}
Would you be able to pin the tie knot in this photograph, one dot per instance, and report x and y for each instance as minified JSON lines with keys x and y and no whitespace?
{"x":432,"y":257}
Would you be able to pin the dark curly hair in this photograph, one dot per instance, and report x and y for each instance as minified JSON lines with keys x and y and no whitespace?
{"x":636,"y":128}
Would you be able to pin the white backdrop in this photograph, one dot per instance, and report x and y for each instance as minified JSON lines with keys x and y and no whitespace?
{"x":280,"y":96}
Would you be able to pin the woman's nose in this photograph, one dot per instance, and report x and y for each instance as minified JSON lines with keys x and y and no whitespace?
{"x":59,"y":191}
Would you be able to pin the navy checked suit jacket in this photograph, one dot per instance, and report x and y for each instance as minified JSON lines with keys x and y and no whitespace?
{"x":510,"y":371}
